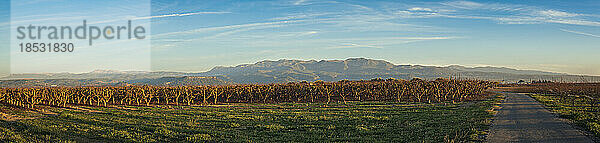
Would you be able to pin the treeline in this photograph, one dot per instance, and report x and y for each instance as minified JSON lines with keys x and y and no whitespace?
{"x":416,"y":90}
{"x":588,"y":89}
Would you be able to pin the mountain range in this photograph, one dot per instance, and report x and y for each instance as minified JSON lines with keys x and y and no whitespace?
{"x":282,"y":71}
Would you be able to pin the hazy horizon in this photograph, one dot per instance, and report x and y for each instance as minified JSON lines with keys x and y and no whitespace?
{"x":468,"y":66}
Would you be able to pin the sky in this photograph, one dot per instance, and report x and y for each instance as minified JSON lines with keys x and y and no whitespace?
{"x":195,"y":36}
{"x":33,"y":21}
{"x":4,"y":36}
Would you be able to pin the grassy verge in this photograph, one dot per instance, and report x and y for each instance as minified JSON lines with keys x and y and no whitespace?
{"x":578,"y":109}
{"x":353,"y":122}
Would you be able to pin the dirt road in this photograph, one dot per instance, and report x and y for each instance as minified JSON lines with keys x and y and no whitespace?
{"x":522,"y":119}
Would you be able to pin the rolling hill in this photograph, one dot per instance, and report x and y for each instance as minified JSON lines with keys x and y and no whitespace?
{"x":282,"y":71}
{"x":361,"y":68}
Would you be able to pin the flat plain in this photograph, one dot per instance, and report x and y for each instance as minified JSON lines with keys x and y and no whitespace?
{"x":295,"y":122}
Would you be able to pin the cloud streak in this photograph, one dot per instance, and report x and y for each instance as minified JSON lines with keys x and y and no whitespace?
{"x":555,"y":13}
{"x":354,"y":45}
{"x":299,"y":2}
{"x":463,"y":4}
{"x":230,"y":27}
{"x":179,"y":15}
{"x":503,"y":13}
{"x":580,"y":33}
{"x":381,"y":43}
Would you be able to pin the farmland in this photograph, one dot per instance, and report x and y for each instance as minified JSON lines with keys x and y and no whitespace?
{"x":416,"y":90}
{"x":390,"y":110}
{"x":297,"y":122}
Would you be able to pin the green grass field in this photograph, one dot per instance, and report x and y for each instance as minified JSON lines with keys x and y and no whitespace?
{"x":353,"y":122}
{"x":577,"y":108}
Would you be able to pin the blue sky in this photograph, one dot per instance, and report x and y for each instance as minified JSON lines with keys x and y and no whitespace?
{"x":549,"y":35}
{"x":115,"y":54}
{"x":4,"y":38}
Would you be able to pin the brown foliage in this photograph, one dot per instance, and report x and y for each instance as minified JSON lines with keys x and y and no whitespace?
{"x":440,"y":90}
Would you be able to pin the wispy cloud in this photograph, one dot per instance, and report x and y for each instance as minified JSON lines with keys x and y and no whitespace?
{"x":420,"y":9}
{"x":361,"y":7}
{"x":464,"y":4}
{"x":174,"y":40}
{"x":380,"y":43}
{"x":303,"y":16}
{"x":299,"y":2}
{"x":425,"y":38}
{"x":503,"y":13}
{"x":354,"y":17}
{"x":307,"y":33}
{"x":574,"y":22}
{"x":498,"y":7}
{"x":231,"y":32}
{"x":179,"y":15}
{"x":229,"y":27}
{"x":555,"y":13}
{"x":580,"y":33}
{"x":353,"y":45}
{"x":124,"y":18}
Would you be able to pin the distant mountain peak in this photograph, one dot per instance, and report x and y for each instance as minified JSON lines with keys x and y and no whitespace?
{"x":292,"y":70}
{"x":286,"y":70}
{"x":99,"y":71}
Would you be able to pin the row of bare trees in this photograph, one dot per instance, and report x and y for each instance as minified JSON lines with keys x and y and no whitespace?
{"x":416,"y":90}
{"x":588,"y":92}
{"x":588,"y":89}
